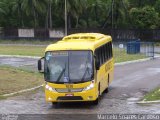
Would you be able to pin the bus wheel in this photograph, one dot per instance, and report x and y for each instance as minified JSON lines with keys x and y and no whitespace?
{"x":54,"y":103}
{"x":97,"y":100}
{"x":107,"y":89}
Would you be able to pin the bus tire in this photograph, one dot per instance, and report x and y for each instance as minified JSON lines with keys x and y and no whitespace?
{"x":54,"y":103}
{"x":97,"y":100}
{"x":107,"y":89}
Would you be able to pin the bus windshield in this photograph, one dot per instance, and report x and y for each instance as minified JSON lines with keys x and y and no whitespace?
{"x":68,"y":66}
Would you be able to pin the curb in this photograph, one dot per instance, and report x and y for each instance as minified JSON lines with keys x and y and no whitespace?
{"x":21,"y":91}
{"x":147,"y":102}
{"x":133,"y":61}
{"x":20,"y":56}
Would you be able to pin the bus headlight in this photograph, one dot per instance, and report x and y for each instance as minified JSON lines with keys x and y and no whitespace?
{"x":50,"y":88}
{"x":89,"y":87}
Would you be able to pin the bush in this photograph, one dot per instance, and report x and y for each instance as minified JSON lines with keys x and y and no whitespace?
{"x":144,"y":18}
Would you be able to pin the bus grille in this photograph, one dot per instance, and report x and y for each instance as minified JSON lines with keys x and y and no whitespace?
{"x":65,"y":90}
{"x":62,"y":90}
{"x":70,"y":98}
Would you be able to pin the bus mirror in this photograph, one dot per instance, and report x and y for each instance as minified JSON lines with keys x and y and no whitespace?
{"x":40,"y":64}
{"x":97,"y":64}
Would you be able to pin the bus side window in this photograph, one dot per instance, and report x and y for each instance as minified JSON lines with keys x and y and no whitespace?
{"x":110,"y":45}
{"x":107,"y":51}
{"x":111,"y":50}
{"x":97,"y":52}
{"x":103,"y":53}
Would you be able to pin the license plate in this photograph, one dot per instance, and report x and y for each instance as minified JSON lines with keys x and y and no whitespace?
{"x":69,"y":94}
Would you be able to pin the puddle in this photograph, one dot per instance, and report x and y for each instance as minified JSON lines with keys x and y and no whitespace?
{"x":133,"y":99}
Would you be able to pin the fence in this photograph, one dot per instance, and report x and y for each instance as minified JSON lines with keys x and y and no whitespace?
{"x":117,"y":34}
{"x":40,"y":34}
{"x":128,"y":51}
{"x":125,"y":34}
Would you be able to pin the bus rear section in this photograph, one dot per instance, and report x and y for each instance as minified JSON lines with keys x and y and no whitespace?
{"x":75,"y":68}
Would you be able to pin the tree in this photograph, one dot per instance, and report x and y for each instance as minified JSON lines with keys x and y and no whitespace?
{"x":141,"y":3}
{"x":74,"y":9}
{"x":95,"y":12}
{"x":6,"y":15}
{"x":144,"y":18}
{"x":50,"y":12}
{"x":33,"y":8}
{"x":81,"y":13}
{"x":157,"y":6}
{"x":17,"y":8}
{"x":2,"y":5}
{"x":120,"y":15}
{"x":49,"y":4}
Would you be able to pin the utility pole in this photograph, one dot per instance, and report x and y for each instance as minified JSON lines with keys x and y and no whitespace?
{"x":50,"y":14}
{"x":65,"y":17}
{"x":112,"y":19}
{"x":112,"y":14}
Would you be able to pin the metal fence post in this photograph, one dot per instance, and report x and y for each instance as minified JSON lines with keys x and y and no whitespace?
{"x":153,"y":49}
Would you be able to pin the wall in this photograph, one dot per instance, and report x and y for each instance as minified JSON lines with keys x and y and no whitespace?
{"x":25,"y":32}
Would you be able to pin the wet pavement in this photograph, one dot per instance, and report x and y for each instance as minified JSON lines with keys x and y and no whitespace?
{"x":20,"y":62}
{"x":130,"y":84}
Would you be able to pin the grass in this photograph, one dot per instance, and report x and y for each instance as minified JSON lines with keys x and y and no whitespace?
{"x":13,"y":80}
{"x":22,"y":50}
{"x":157,"y":44}
{"x":23,"y":41}
{"x":120,"y":55}
{"x":153,"y":95}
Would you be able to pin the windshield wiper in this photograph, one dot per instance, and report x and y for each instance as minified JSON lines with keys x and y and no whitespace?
{"x":60,"y":75}
{"x":86,"y":70}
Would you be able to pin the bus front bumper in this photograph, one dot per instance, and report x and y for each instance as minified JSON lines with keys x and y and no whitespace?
{"x":88,"y":95}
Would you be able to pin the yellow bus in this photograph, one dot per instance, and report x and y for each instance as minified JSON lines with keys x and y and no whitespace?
{"x":78,"y":68}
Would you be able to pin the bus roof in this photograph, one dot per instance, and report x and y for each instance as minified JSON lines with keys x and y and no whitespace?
{"x":80,"y":41}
